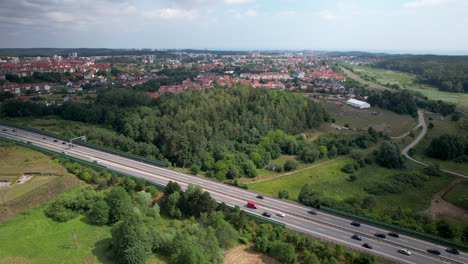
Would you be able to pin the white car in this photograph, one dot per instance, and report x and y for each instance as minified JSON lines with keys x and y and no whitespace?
{"x":280,"y":214}
{"x":404,"y":252}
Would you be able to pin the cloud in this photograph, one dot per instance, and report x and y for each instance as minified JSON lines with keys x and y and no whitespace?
{"x":286,"y":13}
{"x":172,"y":14}
{"x":236,"y":13}
{"x":236,"y":2}
{"x":427,"y":3}
{"x":328,"y":15}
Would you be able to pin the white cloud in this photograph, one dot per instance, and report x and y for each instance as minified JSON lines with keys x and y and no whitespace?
{"x":328,"y":15}
{"x":426,"y":3}
{"x":236,"y":13}
{"x":172,"y":14}
{"x":287,"y":13}
{"x":235,"y":2}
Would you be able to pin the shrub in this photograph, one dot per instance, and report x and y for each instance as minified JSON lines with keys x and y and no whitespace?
{"x":350,"y":168}
{"x":283,"y":194}
{"x":290,"y":165}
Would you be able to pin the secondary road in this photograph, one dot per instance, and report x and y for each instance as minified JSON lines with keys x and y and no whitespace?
{"x":323,"y":225}
{"x":422,"y":123}
{"x":354,"y":76}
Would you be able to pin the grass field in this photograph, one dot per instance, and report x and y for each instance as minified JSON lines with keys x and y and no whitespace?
{"x":442,"y":125}
{"x":458,"y":195}
{"x":34,"y":238}
{"x":382,"y":120}
{"x":407,"y":81}
{"x":332,"y":182}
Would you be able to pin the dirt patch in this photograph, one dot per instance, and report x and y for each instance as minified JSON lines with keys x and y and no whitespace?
{"x":246,"y":255}
{"x":443,"y":209}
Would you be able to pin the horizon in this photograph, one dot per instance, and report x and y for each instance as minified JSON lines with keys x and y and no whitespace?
{"x":402,"y":26}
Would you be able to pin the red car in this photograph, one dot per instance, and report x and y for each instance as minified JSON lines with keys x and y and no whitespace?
{"x":252,"y":205}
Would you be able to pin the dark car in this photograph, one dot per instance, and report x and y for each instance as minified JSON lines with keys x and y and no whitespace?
{"x":392,"y":234}
{"x":367,"y":245}
{"x":357,"y":237}
{"x":260,"y":196}
{"x":63,"y":143}
{"x":43,"y":138}
{"x":29,"y":142}
{"x":312,"y":212}
{"x":434,"y":251}
{"x":3,"y":129}
{"x":356,"y":224}
{"x":380,"y":235}
{"x":13,"y":130}
{"x":453,"y":251}
{"x":55,"y":140}
{"x":267,"y":214}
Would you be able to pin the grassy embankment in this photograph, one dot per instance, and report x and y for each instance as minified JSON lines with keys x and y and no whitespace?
{"x":458,"y":195}
{"x":407,"y":81}
{"x":332,"y":182}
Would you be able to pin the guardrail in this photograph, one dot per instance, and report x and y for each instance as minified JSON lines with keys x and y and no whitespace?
{"x":87,"y":144}
{"x":91,"y":164}
{"x":398,"y":229}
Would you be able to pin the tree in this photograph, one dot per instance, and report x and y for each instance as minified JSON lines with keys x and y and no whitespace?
{"x":284,"y":252}
{"x":310,"y":258}
{"x":309,"y":155}
{"x":119,"y":203}
{"x":364,"y":258}
{"x":171,"y":205}
{"x":172,"y":187}
{"x":99,"y":213}
{"x":447,"y":229}
{"x":308,"y":195}
{"x":144,"y":199}
{"x":389,"y":155}
{"x":290,"y":165}
{"x":131,"y":241}
{"x":283,"y":194}
{"x":447,"y":147}
{"x":152,"y":190}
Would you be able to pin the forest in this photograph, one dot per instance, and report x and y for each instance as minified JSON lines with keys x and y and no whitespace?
{"x":447,"y":73}
{"x":226,"y":132}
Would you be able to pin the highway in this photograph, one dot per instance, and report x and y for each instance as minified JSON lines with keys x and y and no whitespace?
{"x":323,"y":225}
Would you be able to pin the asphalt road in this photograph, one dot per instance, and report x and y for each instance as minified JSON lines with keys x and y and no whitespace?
{"x":323,"y":225}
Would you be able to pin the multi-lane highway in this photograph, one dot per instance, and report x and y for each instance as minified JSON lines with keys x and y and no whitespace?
{"x":325,"y":226}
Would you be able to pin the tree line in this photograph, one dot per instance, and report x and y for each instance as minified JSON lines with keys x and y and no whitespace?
{"x":447,"y":73}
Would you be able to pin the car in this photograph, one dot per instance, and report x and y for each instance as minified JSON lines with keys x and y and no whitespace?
{"x":267,"y":214}
{"x":356,"y":237}
{"x":433,"y":251}
{"x":29,"y":142}
{"x":453,"y":251}
{"x":367,"y":245}
{"x":43,"y":138}
{"x":55,"y":140}
{"x":252,"y":205}
{"x":404,"y":252}
{"x":393,"y":234}
{"x":96,"y":161}
{"x":260,"y":196}
{"x":312,"y":212}
{"x":63,"y":143}
{"x":64,"y":152}
{"x":280,"y":214}
{"x":14,"y":130}
{"x":356,"y":224}
{"x":381,"y":235}
{"x":4,"y":130}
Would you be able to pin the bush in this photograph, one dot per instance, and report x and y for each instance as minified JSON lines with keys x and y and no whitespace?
{"x":152,"y":190}
{"x":447,"y":147}
{"x":99,"y":213}
{"x":283,"y":194}
{"x":397,"y":183}
{"x":389,"y":155}
{"x":350,"y":168}
{"x":352,"y":178}
{"x":290,"y":165}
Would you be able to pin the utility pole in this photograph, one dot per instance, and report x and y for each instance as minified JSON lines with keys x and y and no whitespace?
{"x":75,"y":239}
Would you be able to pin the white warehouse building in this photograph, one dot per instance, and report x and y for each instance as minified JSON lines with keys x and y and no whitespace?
{"x":358,"y":104}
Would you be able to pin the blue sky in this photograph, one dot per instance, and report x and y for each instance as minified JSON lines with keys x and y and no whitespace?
{"x":433,"y":26}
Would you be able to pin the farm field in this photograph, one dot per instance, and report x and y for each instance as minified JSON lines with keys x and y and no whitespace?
{"x":333,"y":183}
{"x":382,"y":120}
{"x":406,"y":81}
{"x":458,"y":195}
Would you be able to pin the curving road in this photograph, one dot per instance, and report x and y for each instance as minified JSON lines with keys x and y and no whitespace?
{"x":322,"y":225}
{"x":422,"y":123}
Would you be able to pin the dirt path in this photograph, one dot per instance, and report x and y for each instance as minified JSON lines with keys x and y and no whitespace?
{"x":354,"y":76}
{"x":246,"y":255}
{"x":299,"y":170}
{"x":442,"y":209}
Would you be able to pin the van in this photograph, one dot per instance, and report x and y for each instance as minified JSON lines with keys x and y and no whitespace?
{"x":252,"y":205}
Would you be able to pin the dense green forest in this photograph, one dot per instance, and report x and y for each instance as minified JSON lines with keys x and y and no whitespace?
{"x":448,"y":73}
{"x":226,"y":132}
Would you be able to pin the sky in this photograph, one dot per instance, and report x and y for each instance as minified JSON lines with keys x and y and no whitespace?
{"x":396,"y":26}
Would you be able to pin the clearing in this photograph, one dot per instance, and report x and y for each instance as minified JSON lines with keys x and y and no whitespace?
{"x":408,"y":81}
{"x":380,"y":119}
{"x":246,"y":255}
{"x":458,"y":195}
{"x":442,"y":209}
